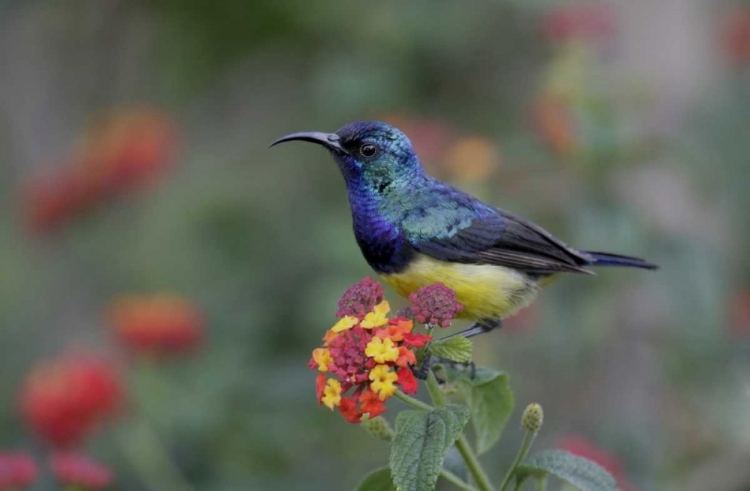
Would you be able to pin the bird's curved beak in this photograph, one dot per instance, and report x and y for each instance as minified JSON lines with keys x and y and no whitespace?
{"x":328,"y":140}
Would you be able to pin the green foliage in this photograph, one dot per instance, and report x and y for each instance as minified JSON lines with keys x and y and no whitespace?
{"x":456,"y":348}
{"x":491,"y":402}
{"x":581,"y":473}
{"x":377,"y":480}
{"x":420,"y":444}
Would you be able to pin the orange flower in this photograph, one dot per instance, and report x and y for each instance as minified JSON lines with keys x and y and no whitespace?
{"x":396,"y":329}
{"x":64,"y":400}
{"x":157,"y":324}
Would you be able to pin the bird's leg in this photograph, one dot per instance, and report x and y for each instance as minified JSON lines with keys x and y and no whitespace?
{"x":479,"y":328}
{"x":421,"y":370}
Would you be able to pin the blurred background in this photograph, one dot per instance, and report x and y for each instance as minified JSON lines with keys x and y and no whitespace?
{"x":138,"y":190}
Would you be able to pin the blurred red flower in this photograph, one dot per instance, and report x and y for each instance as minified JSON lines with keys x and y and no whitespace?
{"x":124,"y":150}
{"x":582,"y":447}
{"x":64,"y":400}
{"x":594,"y":21}
{"x":739,"y":314}
{"x":17,"y":471}
{"x":736,"y":36}
{"x":77,"y":471}
{"x":157,"y":324}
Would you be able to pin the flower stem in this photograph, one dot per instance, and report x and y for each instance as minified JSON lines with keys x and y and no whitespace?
{"x":528,"y":439}
{"x":415,"y":403}
{"x":436,"y":393}
{"x":456,"y":481}
{"x":146,"y":453}
{"x":462,"y":444}
{"x":472,"y":463}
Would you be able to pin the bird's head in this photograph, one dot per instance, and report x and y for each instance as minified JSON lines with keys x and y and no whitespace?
{"x":369,"y":153}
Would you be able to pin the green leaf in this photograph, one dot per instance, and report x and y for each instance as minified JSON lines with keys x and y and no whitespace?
{"x":456,"y":348}
{"x":581,"y":473}
{"x":490,"y":400}
{"x":377,"y":480}
{"x":421,"y":441}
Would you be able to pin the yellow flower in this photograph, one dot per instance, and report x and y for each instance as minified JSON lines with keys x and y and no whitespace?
{"x":383,"y":381}
{"x":345,"y":323}
{"x":332,"y":394}
{"x":323,"y":358}
{"x":382,"y":350}
{"x":377,"y":317}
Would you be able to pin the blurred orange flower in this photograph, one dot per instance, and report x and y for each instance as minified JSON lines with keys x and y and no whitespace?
{"x":158,"y":324}
{"x":77,"y":471}
{"x":473,"y":158}
{"x":552,"y":119}
{"x":63,"y":400}
{"x":444,"y":151}
{"x":120,"y":152}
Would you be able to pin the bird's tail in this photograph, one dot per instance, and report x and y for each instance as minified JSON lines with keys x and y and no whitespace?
{"x":605,"y":259}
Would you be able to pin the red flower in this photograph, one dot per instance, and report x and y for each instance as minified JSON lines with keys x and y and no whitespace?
{"x":579,"y":22}
{"x":435,"y":304}
{"x":64,"y":400}
{"x":739,"y":314}
{"x":78,"y":471}
{"x":120,"y":152}
{"x":407,"y":381}
{"x":611,"y":463}
{"x":372,"y":404}
{"x":736,"y":36}
{"x":17,"y":471}
{"x":348,"y":408}
{"x":158,"y":324}
{"x":360,"y":298}
{"x":417,"y":340}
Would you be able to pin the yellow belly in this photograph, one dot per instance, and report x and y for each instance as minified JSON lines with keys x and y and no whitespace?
{"x":486,"y":291}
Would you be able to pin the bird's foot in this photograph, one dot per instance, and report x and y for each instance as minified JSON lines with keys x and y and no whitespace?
{"x":423,"y":369}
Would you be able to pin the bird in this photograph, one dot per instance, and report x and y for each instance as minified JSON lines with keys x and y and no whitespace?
{"x":415,"y":230}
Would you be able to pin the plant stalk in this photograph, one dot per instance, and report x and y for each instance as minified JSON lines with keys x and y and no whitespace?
{"x":456,"y":481}
{"x":528,"y":439}
{"x":462,"y":444}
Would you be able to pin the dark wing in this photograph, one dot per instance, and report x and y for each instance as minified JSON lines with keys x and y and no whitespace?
{"x":503,"y":239}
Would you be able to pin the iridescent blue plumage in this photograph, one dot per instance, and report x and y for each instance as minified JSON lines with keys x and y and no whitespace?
{"x":410,"y":225}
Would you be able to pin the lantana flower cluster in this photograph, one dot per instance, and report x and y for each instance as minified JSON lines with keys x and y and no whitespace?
{"x":370,"y":356}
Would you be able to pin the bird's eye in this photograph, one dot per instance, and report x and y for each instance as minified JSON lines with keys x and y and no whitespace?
{"x":368,"y":150}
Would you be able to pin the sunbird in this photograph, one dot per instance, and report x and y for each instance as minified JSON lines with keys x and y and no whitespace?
{"x":415,"y":230}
